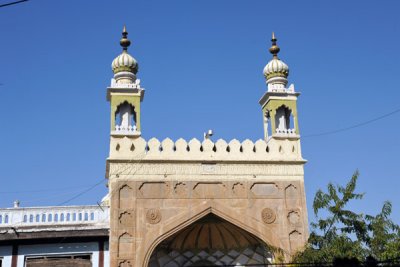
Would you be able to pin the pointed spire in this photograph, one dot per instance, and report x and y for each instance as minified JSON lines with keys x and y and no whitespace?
{"x":124,"y":63}
{"x":125,"y":42}
{"x":274,"y":49}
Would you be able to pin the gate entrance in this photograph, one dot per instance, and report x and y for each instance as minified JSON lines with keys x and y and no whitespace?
{"x":210,"y":241}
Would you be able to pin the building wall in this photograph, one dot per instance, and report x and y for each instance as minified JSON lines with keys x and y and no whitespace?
{"x":157,"y":189}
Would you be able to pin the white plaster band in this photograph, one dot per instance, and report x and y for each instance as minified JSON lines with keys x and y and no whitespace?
{"x":279,"y":80}
{"x":124,"y":75}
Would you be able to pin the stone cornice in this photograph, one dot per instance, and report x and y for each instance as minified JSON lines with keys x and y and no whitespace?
{"x":198,"y":171}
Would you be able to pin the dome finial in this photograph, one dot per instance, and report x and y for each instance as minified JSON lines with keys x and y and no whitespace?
{"x":276,"y":71}
{"x":124,"y":65}
{"x":125,"y":42}
{"x":274,"y":49}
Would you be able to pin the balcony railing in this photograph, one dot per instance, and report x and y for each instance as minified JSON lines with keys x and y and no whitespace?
{"x":68,"y":215}
{"x":126,"y":130}
{"x":289,"y":132}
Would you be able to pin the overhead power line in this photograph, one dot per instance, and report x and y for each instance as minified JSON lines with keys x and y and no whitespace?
{"x":81,"y":193}
{"x":46,"y":190}
{"x":353,"y":126}
{"x":13,"y":3}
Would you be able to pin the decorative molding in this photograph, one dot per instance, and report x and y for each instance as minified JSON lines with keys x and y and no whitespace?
{"x":225,"y":169}
{"x":264,"y":189}
{"x":154,"y":189}
{"x":126,"y":219}
{"x":153,"y":216}
{"x":239,"y":190}
{"x":125,"y":245}
{"x":268,"y":215}
{"x":291,"y":191}
{"x":209,"y":190}
{"x":125,"y":196}
{"x":181,"y":189}
{"x":296,"y":241}
{"x":294,"y":217}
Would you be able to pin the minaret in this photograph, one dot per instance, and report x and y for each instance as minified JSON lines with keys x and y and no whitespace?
{"x":125,"y":93}
{"x":279,"y":102}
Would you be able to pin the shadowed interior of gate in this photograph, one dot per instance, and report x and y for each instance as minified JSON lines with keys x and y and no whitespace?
{"x":210,"y":241}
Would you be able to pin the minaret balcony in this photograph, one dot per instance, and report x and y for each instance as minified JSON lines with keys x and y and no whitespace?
{"x":285,"y":133}
{"x":126,"y":130}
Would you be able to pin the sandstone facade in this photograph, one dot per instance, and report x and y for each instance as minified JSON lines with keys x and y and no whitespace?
{"x":159,"y":188}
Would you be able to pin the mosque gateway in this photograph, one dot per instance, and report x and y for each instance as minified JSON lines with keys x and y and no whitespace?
{"x":198,"y":202}
{"x":177,"y":203}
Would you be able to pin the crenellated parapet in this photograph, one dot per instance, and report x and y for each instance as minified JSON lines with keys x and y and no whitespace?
{"x":138,"y":149}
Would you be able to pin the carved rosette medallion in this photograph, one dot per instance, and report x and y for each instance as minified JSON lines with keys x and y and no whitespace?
{"x":268,"y":215}
{"x":153,"y":216}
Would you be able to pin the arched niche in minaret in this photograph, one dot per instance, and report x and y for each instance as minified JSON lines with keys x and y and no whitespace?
{"x":284,"y":120}
{"x":125,"y":118}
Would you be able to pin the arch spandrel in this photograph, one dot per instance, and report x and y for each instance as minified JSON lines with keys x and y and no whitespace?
{"x":179,"y":222}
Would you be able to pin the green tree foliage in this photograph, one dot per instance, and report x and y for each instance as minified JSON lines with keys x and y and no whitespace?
{"x":383,"y":237}
{"x":340,"y":233}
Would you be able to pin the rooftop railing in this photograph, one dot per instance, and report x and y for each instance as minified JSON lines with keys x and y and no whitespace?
{"x":69,"y":215}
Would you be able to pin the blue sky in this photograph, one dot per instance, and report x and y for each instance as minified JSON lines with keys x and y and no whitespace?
{"x":201,"y":64}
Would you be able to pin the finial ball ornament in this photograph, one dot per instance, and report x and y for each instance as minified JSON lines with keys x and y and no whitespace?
{"x":124,"y":62}
{"x":275,"y":67}
{"x":125,"y":42}
{"x":274,"y":49}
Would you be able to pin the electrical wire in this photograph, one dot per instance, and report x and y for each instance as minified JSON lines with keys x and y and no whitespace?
{"x":81,"y":193}
{"x":28,"y":202}
{"x":44,"y":190}
{"x":13,"y":3}
{"x":353,"y":126}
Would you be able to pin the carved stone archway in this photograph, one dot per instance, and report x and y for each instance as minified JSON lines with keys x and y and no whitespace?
{"x":178,"y":223}
{"x":210,"y":241}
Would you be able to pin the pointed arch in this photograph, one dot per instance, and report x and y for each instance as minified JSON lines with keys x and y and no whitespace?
{"x":125,"y":245}
{"x":177,"y":223}
{"x":283,"y":119}
{"x":125,"y":197}
{"x":125,"y":117}
{"x":119,"y":99}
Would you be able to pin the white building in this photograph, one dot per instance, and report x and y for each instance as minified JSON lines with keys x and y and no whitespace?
{"x":54,"y":236}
